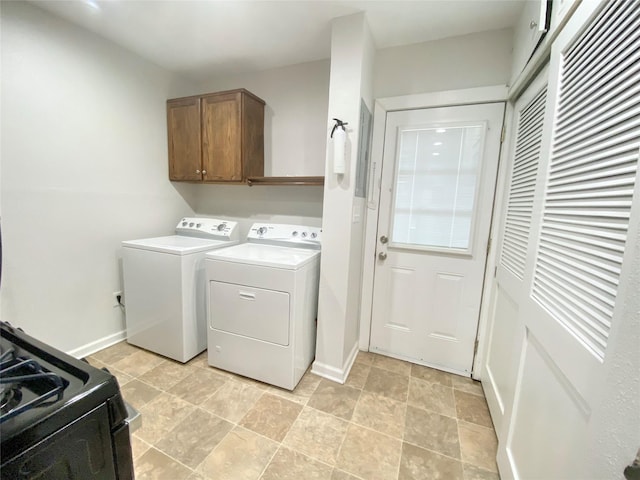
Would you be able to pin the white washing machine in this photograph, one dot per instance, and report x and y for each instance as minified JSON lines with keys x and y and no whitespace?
{"x":262,"y":303}
{"x":164,"y":286}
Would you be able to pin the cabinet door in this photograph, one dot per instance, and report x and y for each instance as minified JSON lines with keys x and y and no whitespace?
{"x":222,"y":156}
{"x":529,"y":30}
{"x":185,"y":151}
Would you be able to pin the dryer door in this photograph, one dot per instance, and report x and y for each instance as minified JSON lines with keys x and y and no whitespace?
{"x":251,"y":312}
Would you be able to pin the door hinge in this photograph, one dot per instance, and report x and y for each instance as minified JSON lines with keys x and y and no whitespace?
{"x":488,"y":245}
{"x":503,"y":134}
{"x":495,"y":271}
{"x":475,"y":347}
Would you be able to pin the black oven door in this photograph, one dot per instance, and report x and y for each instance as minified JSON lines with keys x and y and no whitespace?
{"x":84,"y":449}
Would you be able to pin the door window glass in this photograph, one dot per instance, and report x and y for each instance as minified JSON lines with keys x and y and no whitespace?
{"x":436,"y":185}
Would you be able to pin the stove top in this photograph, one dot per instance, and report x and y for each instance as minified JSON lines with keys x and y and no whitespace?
{"x":43,"y":389}
{"x":25,"y":384}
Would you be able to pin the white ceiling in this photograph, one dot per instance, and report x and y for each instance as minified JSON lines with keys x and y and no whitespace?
{"x":205,"y":38}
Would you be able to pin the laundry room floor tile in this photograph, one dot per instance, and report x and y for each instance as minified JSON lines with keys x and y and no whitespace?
{"x":421,"y":463}
{"x":433,"y":431}
{"x":380,"y":413}
{"x":389,"y":420}
{"x":155,"y":465}
{"x":198,"y":386}
{"x":369,"y":454}
{"x":317,"y":434}
{"x":431,"y":396}
{"x":138,"y":363}
{"x":271,"y":416}
{"x":472,"y":408}
{"x":392,"y":364}
{"x":166,"y":375}
{"x":138,"y":393}
{"x":242,"y":454}
{"x":431,"y":375}
{"x":336,"y":399}
{"x":291,"y":465}
{"x":193,"y":439}
{"x":478,"y":445}
{"x":388,"y":384}
{"x":233,"y":400}
{"x":358,"y":375}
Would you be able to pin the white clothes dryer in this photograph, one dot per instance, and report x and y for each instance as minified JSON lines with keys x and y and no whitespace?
{"x":262,"y":303}
{"x":164,"y":286}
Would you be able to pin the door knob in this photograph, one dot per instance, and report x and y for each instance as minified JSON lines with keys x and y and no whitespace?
{"x":204,"y":172}
{"x":382,"y":255}
{"x":198,"y":172}
{"x":383,"y":239}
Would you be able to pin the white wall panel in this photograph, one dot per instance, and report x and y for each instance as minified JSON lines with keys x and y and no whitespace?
{"x":84,"y":166}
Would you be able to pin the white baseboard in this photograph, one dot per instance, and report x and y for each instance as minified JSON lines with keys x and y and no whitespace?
{"x":98,"y":345}
{"x":336,"y":374}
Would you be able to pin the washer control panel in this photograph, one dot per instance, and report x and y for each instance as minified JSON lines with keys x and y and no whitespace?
{"x":208,"y":228}
{"x":292,"y":235}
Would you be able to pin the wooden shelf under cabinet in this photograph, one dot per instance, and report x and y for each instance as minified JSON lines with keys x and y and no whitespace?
{"x":285,"y":181}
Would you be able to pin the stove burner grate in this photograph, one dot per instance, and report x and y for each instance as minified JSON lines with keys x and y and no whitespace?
{"x":9,"y":398}
{"x":17,"y":373}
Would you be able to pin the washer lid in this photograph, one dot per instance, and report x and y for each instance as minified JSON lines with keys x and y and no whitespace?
{"x":266,"y":255}
{"x":177,"y":244}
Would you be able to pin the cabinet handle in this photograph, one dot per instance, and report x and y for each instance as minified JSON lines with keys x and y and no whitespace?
{"x":198,"y":172}
{"x":204,"y":172}
{"x":533,"y":24}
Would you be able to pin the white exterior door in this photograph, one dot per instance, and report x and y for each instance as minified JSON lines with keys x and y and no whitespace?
{"x":562,"y":364}
{"x":438,"y":182}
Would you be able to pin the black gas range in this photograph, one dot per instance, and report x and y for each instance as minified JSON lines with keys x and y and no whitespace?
{"x":60,"y":418}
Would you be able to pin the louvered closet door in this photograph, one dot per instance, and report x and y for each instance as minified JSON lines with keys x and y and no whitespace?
{"x":499,"y":370}
{"x":577,"y":271}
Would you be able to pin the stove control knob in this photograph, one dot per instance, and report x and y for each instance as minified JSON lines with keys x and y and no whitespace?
{"x":295,"y":233}
{"x":198,"y":225}
{"x":191,"y":224}
{"x":314,"y":234}
{"x":304,"y":234}
{"x":221,"y":227}
{"x":184,"y":224}
{"x":261,"y":231}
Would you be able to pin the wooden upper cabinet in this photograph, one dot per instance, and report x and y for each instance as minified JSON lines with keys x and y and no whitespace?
{"x":185,"y":144}
{"x":229,"y":134}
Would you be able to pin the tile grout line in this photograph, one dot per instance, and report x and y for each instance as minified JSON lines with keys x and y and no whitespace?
{"x":349,"y":422}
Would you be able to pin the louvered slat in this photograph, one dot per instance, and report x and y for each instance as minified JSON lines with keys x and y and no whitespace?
{"x":521,"y":191}
{"x":592,"y":175}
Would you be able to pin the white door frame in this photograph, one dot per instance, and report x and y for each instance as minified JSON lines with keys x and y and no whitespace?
{"x":449,"y":98}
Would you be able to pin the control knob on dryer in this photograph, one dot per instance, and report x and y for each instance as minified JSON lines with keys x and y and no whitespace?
{"x":221,"y":227}
{"x":261,"y":231}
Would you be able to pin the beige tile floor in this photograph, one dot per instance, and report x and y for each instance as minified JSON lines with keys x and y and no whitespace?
{"x":391,"y":420}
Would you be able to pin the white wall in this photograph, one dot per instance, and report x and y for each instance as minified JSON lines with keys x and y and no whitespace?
{"x":84,"y":166}
{"x":246,"y":205}
{"x":352,"y":57}
{"x":476,"y":60}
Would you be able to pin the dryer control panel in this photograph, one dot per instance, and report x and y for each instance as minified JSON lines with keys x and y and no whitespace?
{"x":301,"y":236}
{"x":208,"y":228}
